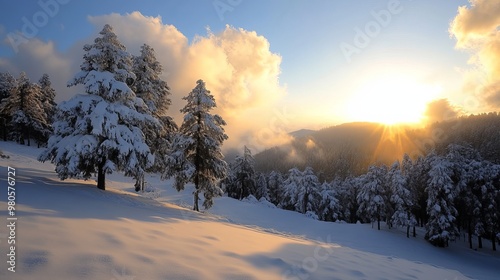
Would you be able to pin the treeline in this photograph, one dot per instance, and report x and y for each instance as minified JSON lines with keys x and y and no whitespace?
{"x":27,"y":109}
{"x":446,"y":192}
{"x":348,"y":149}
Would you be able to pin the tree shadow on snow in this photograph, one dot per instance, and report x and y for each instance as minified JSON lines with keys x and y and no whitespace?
{"x":37,"y":194}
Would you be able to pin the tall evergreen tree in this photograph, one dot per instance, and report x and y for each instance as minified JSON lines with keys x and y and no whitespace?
{"x":291,"y":185}
{"x":347,"y":193}
{"x":275,"y":184}
{"x":148,"y":84}
{"x":48,"y":95}
{"x":262,"y":188}
{"x":243,"y":176}
{"x":417,"y":180}
{"x":329,"y":208}
{"x":309,"y":196}
{"x":8,"y":85}
{"x":302,"y":191}
{"x":100,"y":131}
{"x":197,"y":153}
{"x":490,"y":200}
{"x":441,"y":227}
{"x":402,"y":198}
{"x":372,"y":195}
{"x":465,"y":166}
{"x":28,"y":119}
{"x":155,"y":92}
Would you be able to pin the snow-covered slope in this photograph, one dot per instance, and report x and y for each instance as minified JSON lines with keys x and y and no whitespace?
{"x":71,"y":230}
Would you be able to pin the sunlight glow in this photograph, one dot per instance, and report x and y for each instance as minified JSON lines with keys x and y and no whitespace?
{"x":390,"y":101}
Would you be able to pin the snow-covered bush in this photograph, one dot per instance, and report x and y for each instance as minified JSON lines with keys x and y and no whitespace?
{"x":312,"y":215}
{"x":151,"y":192}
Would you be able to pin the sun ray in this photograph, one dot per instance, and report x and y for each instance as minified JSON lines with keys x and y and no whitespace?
{"x":401,"y":142}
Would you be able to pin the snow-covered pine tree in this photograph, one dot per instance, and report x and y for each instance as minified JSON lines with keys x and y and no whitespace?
{"x":329,"y":209}
{"x":390,"y":206}
{"x":100,"y":131}
{"x":406,"y":165}
{"x":309,"y":196}
{"x":291,"y":185}
{"x":480,"y":201}
{"x":197,"y":156}
{"x":8,"y":85}
{"x":372,"y":197}
{"x":48,"y":97}
{"x":28,"y":117}
{"x":347,"y":193}
{"x":441,"y":227}
{"x":275,"y":183}
{"x":155,"y":92}
{"x":402,"y":198}
{"x":302,"y":191}
{"x":243,"y":181}
{"x":148,"y":84}
{"x":417,"y":180}
{"x":466,"y":168}
{"x":490,"y":200}
{"x":262,"y":188}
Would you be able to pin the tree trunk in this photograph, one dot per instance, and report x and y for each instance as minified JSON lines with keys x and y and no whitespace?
{"x":101,"y":176}
{"x":137,"y":185}
{"x":240,"y":196}
{"x":378,"y":222}
{"x":494,"y":241}
{"x":408,"y":231}
{"x":305,"y":201}
{"x":196,"y":192}
{"x":480,"y":242}
{"x":197,"y":162}
{"x":140,"y":183}
{"x":28,"y":129}
{"x":469,"y":232}
{"x":414,"y":231}
{"x":196,"y":197}
{"x":4,"y":129}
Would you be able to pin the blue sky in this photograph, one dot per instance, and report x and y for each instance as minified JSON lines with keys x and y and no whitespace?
{"x":412,"y":48}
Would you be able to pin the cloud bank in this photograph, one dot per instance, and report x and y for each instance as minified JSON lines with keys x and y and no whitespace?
{"x":440,"y":110}
{"x":476,"y":29}
{"x":237,"y":66}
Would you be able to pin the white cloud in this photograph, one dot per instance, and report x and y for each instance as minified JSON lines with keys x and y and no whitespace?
{"x":237,"y":66}
{"x":476,"y":29}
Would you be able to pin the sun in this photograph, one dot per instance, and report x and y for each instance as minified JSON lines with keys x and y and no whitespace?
{"x":391,"y":100}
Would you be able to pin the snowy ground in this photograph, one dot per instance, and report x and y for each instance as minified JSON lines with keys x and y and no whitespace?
{"x":72,"y":230}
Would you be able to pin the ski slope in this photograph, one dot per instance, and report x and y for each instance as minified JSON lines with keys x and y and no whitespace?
{"x":71,"y":230}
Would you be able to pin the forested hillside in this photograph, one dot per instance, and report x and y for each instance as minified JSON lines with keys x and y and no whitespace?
{"x":349,"y":149}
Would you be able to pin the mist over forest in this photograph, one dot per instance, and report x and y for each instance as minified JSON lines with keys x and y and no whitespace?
{"x":348,"y":149}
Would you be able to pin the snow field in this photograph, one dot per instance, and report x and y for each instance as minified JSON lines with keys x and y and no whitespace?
{"x":71,"y":230}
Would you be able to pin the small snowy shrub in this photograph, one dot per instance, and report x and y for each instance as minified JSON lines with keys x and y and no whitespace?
{"x":312,"y":215}
{"x":151,"y":192}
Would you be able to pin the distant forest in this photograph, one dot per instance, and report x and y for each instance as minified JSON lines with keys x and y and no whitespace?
{"x":349,"y":149}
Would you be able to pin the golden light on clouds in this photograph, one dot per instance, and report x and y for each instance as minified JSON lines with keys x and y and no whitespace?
{"x":476,"y":29}
{"x":391,"y":100}
{"x":237,"y":66}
